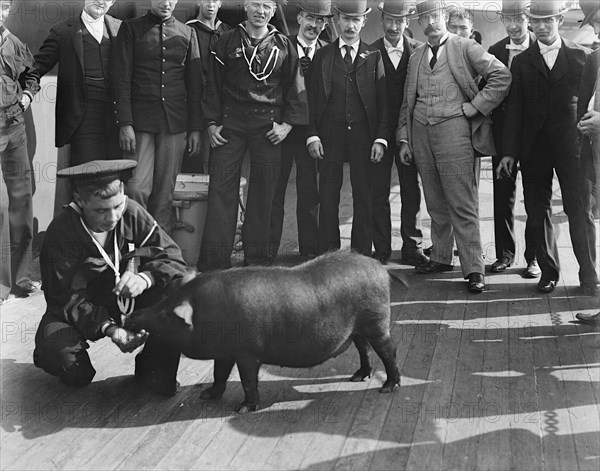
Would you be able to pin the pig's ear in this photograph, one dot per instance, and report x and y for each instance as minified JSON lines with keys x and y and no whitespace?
{"x":184,"y":311}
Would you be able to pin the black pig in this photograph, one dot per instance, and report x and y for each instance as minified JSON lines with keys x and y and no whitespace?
{"x":294,"y":317}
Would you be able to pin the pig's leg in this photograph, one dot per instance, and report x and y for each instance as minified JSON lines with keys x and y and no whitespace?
{"x":365,"y":362}
{"x":385,"y":348}
{"x":222,"y":370}
{"x":248,"y":369}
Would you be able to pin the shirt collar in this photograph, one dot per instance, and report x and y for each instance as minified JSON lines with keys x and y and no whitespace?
{"x":304,"y":43}
{"x":87,"y":18}
{"x":353,"y":46}
{"x":203,"y":24}
{"x":388,"y":45}
{"x":555,"y":45}
{"x":525,"y":44}
{"x":442,"y":39}
{"x":159,"y":20}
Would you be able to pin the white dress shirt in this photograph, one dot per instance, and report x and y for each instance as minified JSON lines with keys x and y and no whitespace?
{"x":302,"y":45}
{"x":443,"y":39}
{"x":515,"y":49}
{"x":394,"y":52}
{"x":550,"y":53}
{"x":95,"y":27}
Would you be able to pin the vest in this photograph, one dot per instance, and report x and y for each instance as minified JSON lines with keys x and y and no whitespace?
{"x":395,"y":79}
{"x":344,"y":102}
{"x":96,"y":63}
{"x":439,"y":97}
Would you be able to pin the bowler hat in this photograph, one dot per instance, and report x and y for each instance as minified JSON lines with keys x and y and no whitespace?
{"x":397,"y":8}
{"x":513,"y":7}
{"x":99,"y":172}
{"x":545,"y":9}
{"x":589,"y":9}
{"x":351,"y":7}
{"x":428,"y":6}
{"x":316,"y":7}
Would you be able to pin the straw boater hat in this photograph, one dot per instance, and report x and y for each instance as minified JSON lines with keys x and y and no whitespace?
{"x":352,"y":7}
{"x":589,"y":9}
{"x":316,"y":7}
{"x":545,"y":9}
{"x":514,"y":7}
{"x":397,"y":8}
{"x":428,"y":6}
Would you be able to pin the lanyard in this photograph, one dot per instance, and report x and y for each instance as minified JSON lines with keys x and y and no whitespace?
{"x":126,"y":305}
{"x":263,"y":75}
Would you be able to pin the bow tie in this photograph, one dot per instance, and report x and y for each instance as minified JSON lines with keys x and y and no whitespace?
{"x":515,"y":47}
{"x":397,"y":50}
{"x":547,"y":49}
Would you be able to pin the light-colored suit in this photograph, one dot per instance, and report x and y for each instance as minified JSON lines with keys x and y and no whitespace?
{"x":446,"y":148}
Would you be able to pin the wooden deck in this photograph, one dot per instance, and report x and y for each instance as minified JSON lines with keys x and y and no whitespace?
{"x":502,"y":380}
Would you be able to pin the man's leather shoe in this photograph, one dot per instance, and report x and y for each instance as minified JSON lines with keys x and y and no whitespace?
{"x":433,"y":267}
{"x":415,"y":259}
{"x":546,"y":286}
{"x":533,"y":270}
{"x":428,"y":251}
{"x":476,"y":282}
{"x":501,"y":264}
{"x":25,"y":288}
{"x":589,"y":319}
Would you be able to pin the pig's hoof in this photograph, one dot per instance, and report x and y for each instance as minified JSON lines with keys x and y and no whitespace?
{"x":388,"y":387}
{"x":244,"y":408}
{"x":212,"y":394}
{"x":359,"y":376}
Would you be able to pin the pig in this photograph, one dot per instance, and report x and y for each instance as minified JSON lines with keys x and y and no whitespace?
{"x":295,"y":317}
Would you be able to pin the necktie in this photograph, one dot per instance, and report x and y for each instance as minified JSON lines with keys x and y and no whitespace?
{"x":348,"y":56}
{"x":434,"y":50}
{"x":305,"y":60}
{"x":516,"y":47}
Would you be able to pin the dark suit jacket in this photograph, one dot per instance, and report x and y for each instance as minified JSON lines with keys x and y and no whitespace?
{"x":589,"y":84}
{"x":528,"y":103}
{"x":370,"y":77}
{"x":499,"y":51}
{"x":395,"y":91}
{"x":318,"y":45}
{"x":64,"y":46}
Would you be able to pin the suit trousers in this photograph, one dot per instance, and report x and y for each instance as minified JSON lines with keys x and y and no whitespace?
{"x":410,"y":196}
{"x":504,"y":217}
{"x":445,"y":159}
{"x":97,"y":137}
{"x":538,"y":173}
{"x":307,"y":202}
{"x":245,"y":129}
{"x":351,"y":142}
{"x":159,"y":158}
{"x":16,"y":172}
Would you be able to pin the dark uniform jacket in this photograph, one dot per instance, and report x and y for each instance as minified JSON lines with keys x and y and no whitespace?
{"x":231,"y":82}
{"x":16,"y":70}
{"x":529,"y":103}
{"x":157,"y":75}
{"x":76,"y":280}
{"x":64,"y":46}
{"x":370,"y":78}
{"x":589,"y":162}
{"x":207,"y":41}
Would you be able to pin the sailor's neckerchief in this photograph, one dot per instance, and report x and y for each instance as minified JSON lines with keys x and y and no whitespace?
{"x":126,"y":305}
{"x":262,"y":57}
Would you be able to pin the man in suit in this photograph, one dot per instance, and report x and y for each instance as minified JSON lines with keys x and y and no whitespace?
{"x":540,"y":132}
{"x":18,"y":84}
{"x":395,"y":50}
{"x":444,"y":125}
{"x":519,"y":39}
{"x":82,"y":47}
{"x":348,"y":120}
{"x":313,"y":18}
{"x":157,"y":86}
{"x":254,"y":97}
{"x":588,"y":115}
{"x":208,"y":29}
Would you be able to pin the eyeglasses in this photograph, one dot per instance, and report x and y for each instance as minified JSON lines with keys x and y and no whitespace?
{"x":318,"y":20}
